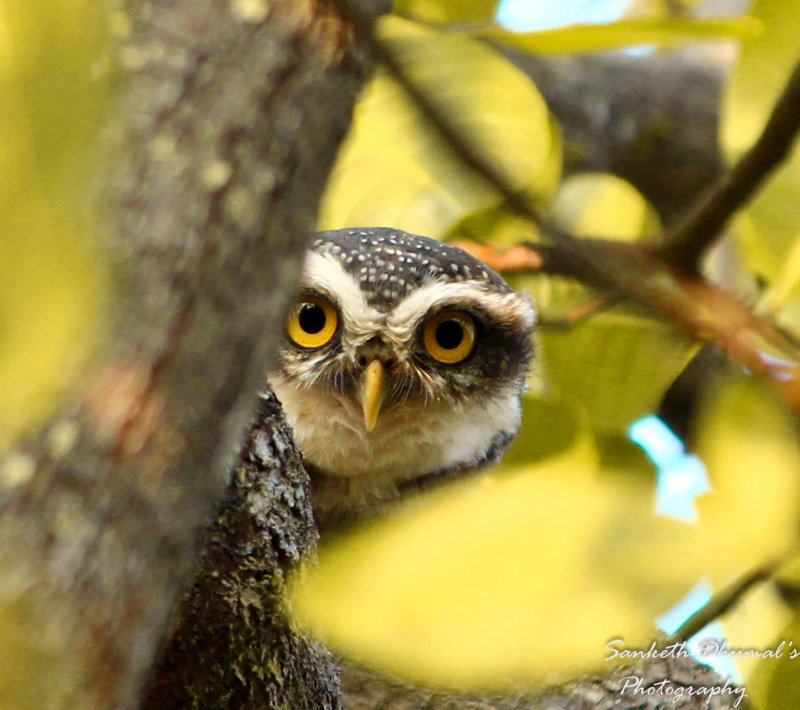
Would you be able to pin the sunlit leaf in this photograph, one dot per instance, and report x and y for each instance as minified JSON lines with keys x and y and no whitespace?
{"x":525,"y":574}
{"x":395,"y":169}
{"x":771,"y":224}
{"x":603,"y":205}
{"x":447,"y":10}
{"x":498,"y":224}
{"x":747,"y":440}
{"x":775,"y":682}
{"x":553,"y":429}
{"x":788,"y":575}
{"x":625,"y":33}
{"x":784,"y":291}
{"x":756,"y":622}
{"x":52,"y":97}
{"x":619,"y":455}
{"x":617,"y":365}
{"x":520,"y":575}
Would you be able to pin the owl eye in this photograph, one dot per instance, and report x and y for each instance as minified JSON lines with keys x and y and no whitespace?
{"x":449,"y":337}
{"x":312,"y":323}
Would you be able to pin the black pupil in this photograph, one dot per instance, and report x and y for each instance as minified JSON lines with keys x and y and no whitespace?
{"x":312,"y":318}
{"x":449,"y":334}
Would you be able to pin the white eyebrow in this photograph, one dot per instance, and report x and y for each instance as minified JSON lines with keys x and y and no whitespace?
{"x":326,"y":274}
{"x":412,"y":309}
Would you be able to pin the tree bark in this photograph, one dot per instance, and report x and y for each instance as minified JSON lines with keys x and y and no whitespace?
{"x":231,"y":116}
{"x":232,"y":646}
{"x":366,"y":690}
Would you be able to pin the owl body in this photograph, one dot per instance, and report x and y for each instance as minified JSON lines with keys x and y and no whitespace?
{"x":405,"y":358}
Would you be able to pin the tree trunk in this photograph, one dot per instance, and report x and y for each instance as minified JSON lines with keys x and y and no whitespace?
{"x":231,"y":116}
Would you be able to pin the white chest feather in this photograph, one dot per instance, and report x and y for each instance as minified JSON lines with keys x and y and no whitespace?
{"x":409,"y":440}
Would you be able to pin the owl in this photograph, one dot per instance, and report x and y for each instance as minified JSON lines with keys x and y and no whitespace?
{"x":404,"y":362}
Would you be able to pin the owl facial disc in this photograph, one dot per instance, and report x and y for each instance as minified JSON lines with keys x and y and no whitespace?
{"x":404,"y":358}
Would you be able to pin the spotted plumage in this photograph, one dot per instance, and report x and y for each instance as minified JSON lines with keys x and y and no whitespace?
{"x":405,"y":360}
{"x":389,"y":264}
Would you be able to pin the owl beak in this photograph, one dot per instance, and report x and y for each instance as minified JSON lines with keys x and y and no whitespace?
{"x":372,"y":393}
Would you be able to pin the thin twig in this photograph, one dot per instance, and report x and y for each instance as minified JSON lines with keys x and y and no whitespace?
{"x":723,"y":601}
{"x":685,"y":246}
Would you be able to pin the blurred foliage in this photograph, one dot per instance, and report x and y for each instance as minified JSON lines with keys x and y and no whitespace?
{"x":393,"y":153}
{"x":450,"y":11}
{"x":588,"y":360}
{"x":584,"y":361}
{"x":527,"y":572}
{"x":760,"y":621}
{"x":52,"y":93}
{"x":603,"y":206}
{"x":748,"y":441}
{"x":768,"y":235}
{"x":522,"y":574}
{"x":775,"y":683}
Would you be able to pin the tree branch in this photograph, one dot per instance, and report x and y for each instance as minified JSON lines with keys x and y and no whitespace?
{"x":233,"y":647}
{"x":629,"y":271}
{"x":601,"y":691}
{"x":685,"y":246}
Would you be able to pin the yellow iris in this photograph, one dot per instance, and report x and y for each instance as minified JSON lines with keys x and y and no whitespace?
{"x":312,"y":323}
{"x":449,"y":336}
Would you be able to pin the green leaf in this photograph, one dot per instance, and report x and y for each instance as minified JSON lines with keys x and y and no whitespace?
{"x":746,"y":437}
{"x":789,"y":315}
{"x":625,"y":33}
{"x":781,"y":300}
{"x":498,"y":224}
{"x":616,"y":364}
{"x":775,"y":682}
{"x":395,"y":169}
{"x":770,"y":226}
{"x":758,"y":621}
{"x":747,"y":440}
{"x":586,"y":204}
{"x":524,"y":574}
{"x":447,"y":11}
{"x":552,"y":429}
{"x":53,"y":95}
{"x":604,"y":206}
{"x":521,"y":575}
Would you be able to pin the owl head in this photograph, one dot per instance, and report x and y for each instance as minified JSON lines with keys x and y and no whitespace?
{"x":404,"y":356}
